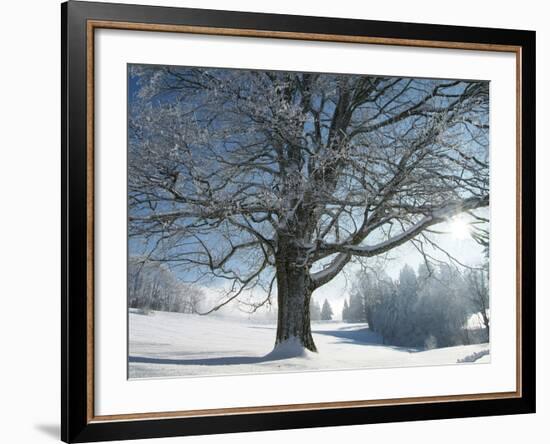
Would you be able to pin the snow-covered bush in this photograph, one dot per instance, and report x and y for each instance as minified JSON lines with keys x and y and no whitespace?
{"x":474,"y":356}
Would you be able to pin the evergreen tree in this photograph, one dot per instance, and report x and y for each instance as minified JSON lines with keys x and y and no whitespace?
{"x":345,"y":311}
{"x":326,"y":311}
{"x":356,"y":308}
{"x":314,"y":311}
{"x":407,"y":294}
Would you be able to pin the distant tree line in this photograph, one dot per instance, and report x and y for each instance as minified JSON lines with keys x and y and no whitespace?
{"x":316,"y":313}
{"x":152,"y":286}
{"x":429,"y":309}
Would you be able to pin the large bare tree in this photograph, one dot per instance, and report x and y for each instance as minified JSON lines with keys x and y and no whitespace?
{"x":275,"y":181}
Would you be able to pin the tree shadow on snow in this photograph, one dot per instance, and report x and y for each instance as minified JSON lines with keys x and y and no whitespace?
{"x":226,"y":360}
{"x":357,"y":336}
{"x":362,"y":336}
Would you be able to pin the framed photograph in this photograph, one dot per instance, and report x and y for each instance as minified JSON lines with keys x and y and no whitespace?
{"x":275,"y":221}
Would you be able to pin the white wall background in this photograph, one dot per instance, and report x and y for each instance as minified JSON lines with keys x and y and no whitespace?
{"x":30,"y":208}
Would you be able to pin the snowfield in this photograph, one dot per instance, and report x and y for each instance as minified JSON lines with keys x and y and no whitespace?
{"x":165,"y":344}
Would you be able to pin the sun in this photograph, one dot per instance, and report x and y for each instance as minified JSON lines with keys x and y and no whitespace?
{"x":460,"y":228}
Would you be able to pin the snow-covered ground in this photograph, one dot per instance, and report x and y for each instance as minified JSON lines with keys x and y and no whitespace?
{"x":174,"y":344}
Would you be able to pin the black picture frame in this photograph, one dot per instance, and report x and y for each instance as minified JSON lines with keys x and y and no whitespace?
{"x":77,"y":424}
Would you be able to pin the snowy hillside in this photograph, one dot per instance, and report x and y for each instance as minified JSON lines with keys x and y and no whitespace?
{"x":174,"y":344}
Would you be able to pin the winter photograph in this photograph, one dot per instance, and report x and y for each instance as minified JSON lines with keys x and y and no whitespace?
{"x":301,"y":221}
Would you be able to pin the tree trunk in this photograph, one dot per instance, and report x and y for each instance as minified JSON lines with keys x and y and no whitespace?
{"x":294,"y":290}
